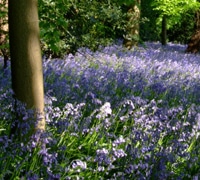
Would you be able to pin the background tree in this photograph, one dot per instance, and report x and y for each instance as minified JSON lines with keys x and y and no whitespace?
{"x":172,"y":11}
{"x":164,"y":30}
{"x":26,"y":62}
{"x":182,"y":31}
{"x":194,"y":42}
{"x":133,"y":24}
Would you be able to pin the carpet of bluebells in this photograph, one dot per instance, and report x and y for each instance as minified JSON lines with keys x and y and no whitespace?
{"x":110,"y":114}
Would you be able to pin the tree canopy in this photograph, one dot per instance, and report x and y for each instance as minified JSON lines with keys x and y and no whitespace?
{"x":174,"y":9}
{"x":65,"y":26}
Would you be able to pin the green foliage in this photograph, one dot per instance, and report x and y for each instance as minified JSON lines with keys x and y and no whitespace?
{"x":69,"y":25}
{"x":148,"y":29}
{"x":183,"y":31}
{"x":3,"y":31}
{"x":53,"y":25}
{"x":180,"y":19}
{"x":126,"y":2}
{"x":174,"y":9}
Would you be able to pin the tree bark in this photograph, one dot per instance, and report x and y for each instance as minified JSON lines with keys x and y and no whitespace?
{"x":133,"y":25}
{"x":26,"y":60}
{"x":194,"y":42}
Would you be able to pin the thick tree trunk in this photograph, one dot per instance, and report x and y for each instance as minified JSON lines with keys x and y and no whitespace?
{"x":26,"y":60}
{"x":133,"y":25}
{"x":164,"y":30}
{"x":194,"y":42}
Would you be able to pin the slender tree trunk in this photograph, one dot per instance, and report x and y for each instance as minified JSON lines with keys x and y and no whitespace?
{"x":197,"y":20}
{"x":133,"y":27}
{"x":5,"y":58}
{"x":26,"y":60}
{"x":164,"y":30}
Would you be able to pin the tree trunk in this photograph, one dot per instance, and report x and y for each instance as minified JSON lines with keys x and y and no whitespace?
{"x":164,"y":30}
{"x":132,"y":36}
{"x":26,"y":60}
{"x":194,"y":42}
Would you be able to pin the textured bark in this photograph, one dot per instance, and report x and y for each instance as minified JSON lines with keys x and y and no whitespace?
{"x":133,"y":26}
{"x":194,"y":42}
{"x":26,"y":60}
